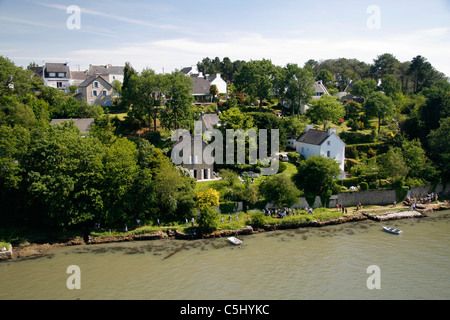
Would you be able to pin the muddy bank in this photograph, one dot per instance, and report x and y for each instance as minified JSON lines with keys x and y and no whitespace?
{"x":39,"y":249}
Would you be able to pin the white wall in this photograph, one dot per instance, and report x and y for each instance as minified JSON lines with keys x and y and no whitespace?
{"x":220,"y":84}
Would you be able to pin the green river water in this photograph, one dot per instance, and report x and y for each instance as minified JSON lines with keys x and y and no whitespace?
{"x":308,"y":263}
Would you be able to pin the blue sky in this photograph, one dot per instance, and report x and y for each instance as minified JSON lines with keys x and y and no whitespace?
{"x":173,"y":34}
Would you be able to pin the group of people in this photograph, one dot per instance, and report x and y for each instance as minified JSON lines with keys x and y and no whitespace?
{"x":286,"y":211}
{"x":414,"y":201}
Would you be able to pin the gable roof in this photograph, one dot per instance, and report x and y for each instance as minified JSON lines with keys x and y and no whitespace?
{"x":57,"y":67}
{"x":105,"y":70}
{"x":210,"y":120}
{"x":201,"y":85}
{"x":78,"y":75}
{"x":84,"y":124}
{"x":91,"y":79}
{"x":320,"y":88}
{"x":313,"y":136}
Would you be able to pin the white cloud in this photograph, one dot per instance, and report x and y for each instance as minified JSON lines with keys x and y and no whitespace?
{"x":176,"y":53}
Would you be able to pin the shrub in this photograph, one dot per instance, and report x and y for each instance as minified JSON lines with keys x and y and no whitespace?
{"x":228,"y":207}
{"x":258,"y":218}
{"x":364,"y":186}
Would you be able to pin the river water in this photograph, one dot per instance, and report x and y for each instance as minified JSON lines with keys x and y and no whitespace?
{"x":308,"y":263}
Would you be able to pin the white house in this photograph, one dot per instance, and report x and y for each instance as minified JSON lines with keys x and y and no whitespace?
{"x":216,"y":79}
{"x":219,"y":82}
{"x":322,"y":143}
{"x":56,"y":75}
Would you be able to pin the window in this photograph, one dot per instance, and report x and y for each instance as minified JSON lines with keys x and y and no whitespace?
{"x":94,"y":93}
{"x":59,"y":84}
{"x":328,"y":154}
{"x":95,"y":84}
{"x":61,"y":74}
{"x":52,"y":74}
{"x":104,"y":93}
{"x":328,"y":142}
{"x":91,"y":102}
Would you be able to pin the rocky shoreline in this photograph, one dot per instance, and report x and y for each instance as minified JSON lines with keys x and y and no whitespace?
{"x":39,"y":249}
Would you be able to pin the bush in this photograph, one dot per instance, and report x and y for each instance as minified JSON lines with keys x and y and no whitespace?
{"x":258,"y":218}
{"x":228,"y":207}
{"x":208,"y":220}
{"x":364,"y":186}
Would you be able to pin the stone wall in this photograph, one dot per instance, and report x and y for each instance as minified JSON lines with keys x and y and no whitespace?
{"x":371,"y":197}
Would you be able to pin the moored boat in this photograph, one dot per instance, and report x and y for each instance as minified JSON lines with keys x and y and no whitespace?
{"x":392,"y":230}
{"x":235,"y":240}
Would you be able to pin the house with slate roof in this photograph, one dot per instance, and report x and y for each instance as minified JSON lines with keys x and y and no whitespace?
{"x":200,"y":165}
{"x":56,"y":75}
{"x":322,"y":143}
{"x":95,"y":91}
{"x":108,"y":72}
{"x":84,"y":124}
{"x":209,"y":122}
{"x":202,"y":83}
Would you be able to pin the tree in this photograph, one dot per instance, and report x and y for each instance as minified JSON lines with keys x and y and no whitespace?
{"x":390,"y":86}
{"x":316,"y":175}
{"x":208,"y":219}
{"x":383,"y":65}
{"x":438,"y":141}
{"x":178,"y":108}
{"x":422,"y":73}
{"x":378,"y":105}
{"x":213,"y":91}
{"x":129,"y":87}
{"x":392,"y":165}
{"x":279,"y":190}
{"x":296,"y":86}
{"x":326,"y":77}
{"x":233,"y":118}
{"x":207,"y":198}
{"x":255,"y":79}
{"x":64,"y":176}
{"x":326,"y":109}
{"x":363,"y":88}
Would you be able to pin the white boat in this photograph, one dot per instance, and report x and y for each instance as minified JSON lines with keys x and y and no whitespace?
{"x":392,"y":230}
{"x":235,"y":240}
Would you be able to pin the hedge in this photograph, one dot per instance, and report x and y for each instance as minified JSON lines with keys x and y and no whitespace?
{"x":228,"y":207}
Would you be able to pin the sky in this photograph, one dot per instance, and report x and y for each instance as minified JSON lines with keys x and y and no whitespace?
{"x":168,"y":35}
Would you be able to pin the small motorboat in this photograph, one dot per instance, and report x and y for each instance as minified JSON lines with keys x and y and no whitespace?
{"x":235,"y":240}
{"x":392,"y":230}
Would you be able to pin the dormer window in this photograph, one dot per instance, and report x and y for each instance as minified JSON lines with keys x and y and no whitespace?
{"x":52,"y":74}
{"x":61,"y":74}
{"x":95,"y":84}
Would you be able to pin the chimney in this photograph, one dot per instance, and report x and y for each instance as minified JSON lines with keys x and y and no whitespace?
{"x":308,"y":128}
{"x":331,"y":131}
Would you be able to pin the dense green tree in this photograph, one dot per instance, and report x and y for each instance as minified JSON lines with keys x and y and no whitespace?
{"x":255,"y":79}
{"x":378,"y":105}
{"x":392,"y":165}
{"x":326,"y":109}
{"x":363,"y":88}
{"x":390,"y":86}
{"x":296,"y":86}
{"x":439,"y":145}
{"x":422,"y":73}
{"x":385,"y":64}
{"x":178,"y":108}
{"x":316,"y":175}
{"x":279,"y":190}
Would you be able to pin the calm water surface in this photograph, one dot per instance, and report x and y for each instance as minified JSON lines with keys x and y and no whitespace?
{"x":314,"y":263}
